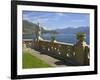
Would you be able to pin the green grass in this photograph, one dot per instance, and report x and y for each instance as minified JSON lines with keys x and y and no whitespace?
{"x":30,"y":61}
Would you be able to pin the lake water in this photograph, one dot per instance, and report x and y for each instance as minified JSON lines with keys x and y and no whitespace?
{"x":68,"y":38}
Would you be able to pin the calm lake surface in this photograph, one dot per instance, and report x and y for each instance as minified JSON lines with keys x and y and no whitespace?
{"x":68,"y":38}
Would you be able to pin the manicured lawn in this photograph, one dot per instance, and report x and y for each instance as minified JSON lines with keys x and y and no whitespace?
{"x":30,"y":61}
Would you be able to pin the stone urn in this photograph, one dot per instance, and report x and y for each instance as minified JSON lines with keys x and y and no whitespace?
{"x":81,"y":36}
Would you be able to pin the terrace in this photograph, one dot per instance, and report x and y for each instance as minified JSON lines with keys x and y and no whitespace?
{"x":71,"y":54}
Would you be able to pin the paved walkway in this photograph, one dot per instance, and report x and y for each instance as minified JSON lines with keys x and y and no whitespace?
{"x":45,"y":58}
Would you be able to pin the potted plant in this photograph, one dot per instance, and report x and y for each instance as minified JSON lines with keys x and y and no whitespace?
{"x":53,"y":37}
{"x":81,"y":36}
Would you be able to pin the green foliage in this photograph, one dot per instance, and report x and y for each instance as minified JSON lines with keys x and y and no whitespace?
{"x":53,"y":36}
{"x":29,"y":28}
{"x":81,"y":36}
{"x":30,"y":61}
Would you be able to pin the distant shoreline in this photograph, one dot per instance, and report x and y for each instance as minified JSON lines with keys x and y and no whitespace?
{"x":67,"y":38}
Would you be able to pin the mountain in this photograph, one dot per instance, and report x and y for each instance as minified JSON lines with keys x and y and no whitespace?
{"x":29,"y":28}
{"x":71,"y":30}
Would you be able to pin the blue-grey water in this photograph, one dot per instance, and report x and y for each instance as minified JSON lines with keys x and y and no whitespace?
{"x":68,"y":38}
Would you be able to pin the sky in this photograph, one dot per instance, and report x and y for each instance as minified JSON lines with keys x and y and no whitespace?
{"x":57,"y":20}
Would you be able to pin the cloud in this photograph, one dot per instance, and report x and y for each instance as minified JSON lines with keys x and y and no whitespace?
{"x":78,"y":21}
{"x":56,"y":20}
{"x":60,"y":14}
{"x":41,"y":20}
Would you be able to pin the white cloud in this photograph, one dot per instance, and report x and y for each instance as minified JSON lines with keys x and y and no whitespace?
{"x":41,"y":20}
{"x":60,"y":14}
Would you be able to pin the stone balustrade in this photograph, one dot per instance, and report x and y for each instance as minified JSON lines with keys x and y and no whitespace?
{"x":76,"y":53}
{"x":59,"y":48}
